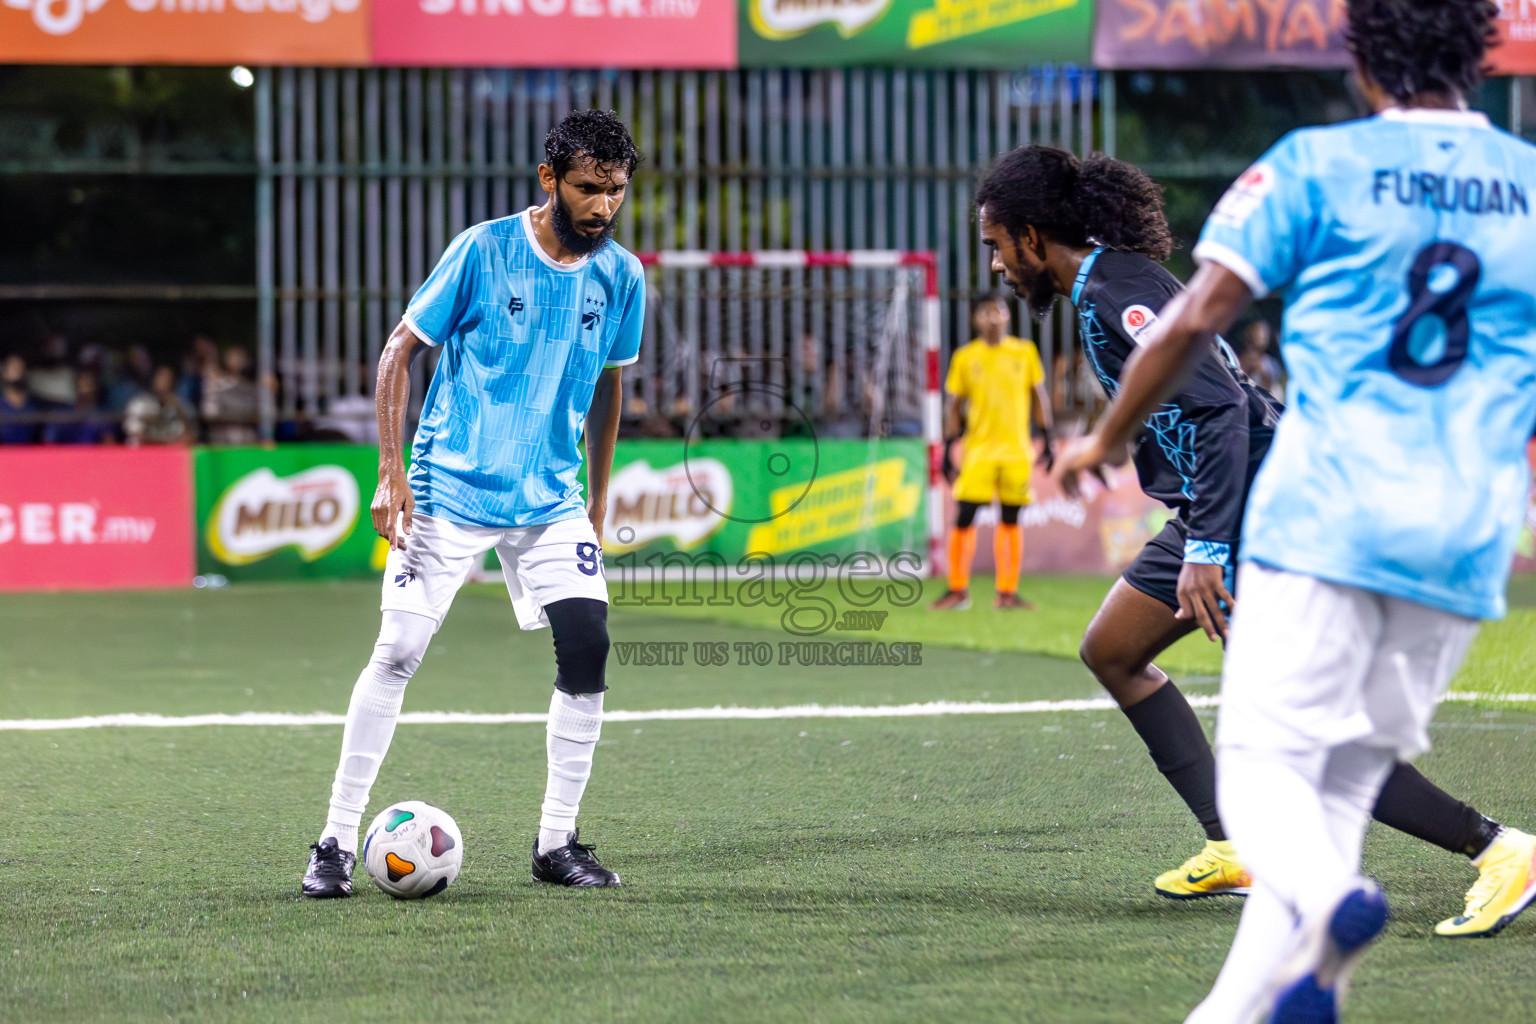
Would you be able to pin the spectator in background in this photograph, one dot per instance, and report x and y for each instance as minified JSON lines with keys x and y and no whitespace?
{"x":1255,"y":356}
{"x":91,"y":427}
{"x":131,"y":379}
{"x":230,"y":400}
{"x":16,"y":399}
{"x":159,"y":416}
{"x":201,"y":360}
{"x":350,"y":417}
{"x":52,"y":380}
{"x":1076,"y":390}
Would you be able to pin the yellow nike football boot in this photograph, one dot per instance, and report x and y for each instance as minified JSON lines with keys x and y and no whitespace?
{"x":1214,"y":871}
{"x":1505,"y":886}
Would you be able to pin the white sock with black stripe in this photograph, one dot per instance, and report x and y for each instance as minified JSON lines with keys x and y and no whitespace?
{"x":575,"y":722}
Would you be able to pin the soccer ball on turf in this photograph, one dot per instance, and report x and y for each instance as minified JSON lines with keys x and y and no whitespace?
{"x":413,"y":850}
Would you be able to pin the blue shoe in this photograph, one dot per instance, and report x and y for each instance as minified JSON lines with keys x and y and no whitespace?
{"x":1357,"y":919}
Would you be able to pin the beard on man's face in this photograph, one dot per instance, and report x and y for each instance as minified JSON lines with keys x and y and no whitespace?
{"x":579,"y":242}
{"x":1036,"y":291}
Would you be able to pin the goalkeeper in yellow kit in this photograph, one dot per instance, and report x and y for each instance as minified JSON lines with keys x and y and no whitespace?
{"x":996,"y":387}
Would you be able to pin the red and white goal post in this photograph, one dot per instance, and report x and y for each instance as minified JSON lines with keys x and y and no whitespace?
{"x":867,"y":321}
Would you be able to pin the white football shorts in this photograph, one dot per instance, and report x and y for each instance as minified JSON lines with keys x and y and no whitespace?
{"x":541,"y":564}
{"x":1312,"y":664}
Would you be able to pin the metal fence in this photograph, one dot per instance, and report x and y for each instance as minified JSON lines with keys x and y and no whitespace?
{"x":365,"y":175}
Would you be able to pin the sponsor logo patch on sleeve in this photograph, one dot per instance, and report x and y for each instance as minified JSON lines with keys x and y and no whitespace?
{"x":1245,"y":195}
{"x":1138,"y":322}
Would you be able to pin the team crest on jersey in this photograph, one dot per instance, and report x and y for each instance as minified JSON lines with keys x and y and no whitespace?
{"x":1245,"y":196}
{"x":593,"y":309}
{"x":1138,"y":322}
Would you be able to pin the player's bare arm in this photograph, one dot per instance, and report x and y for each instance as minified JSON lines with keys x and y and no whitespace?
{"x":954,"y":429}
{"x":602,"y":436}
{"x":1045,"y":421}
{"x":392,"y":395}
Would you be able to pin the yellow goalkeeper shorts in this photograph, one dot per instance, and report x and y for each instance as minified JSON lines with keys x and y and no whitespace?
{"x":981,"y":480}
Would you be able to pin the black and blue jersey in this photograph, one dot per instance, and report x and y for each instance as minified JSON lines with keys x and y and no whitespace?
{"x":1199,"y":452}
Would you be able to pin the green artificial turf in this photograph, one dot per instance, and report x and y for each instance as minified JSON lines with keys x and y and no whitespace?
{"x":1502,"y":661}
{"x":977,"y":868}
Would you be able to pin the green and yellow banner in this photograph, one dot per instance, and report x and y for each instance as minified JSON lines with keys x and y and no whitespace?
{"x":301,"y":511}
{"x":914,"y":33}
{"x":286,"y":513}
{"x":777,"y":498}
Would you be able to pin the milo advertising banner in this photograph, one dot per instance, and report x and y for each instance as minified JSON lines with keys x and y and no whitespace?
{"x":913,"y":33}
{"x":302,"y":511}
{"x":777,"y":498}
{"x":286,"y":513}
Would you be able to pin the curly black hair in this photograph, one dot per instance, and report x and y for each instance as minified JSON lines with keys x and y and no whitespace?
{"x":1076,"y":202}
{"x":1413,"y":47}
{"x":598,"y":134}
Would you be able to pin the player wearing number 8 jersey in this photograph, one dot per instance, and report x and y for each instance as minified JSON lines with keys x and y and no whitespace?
{"x":1382,"y":524}
{"x":1092,"y":230}
{"x":535,"y":315}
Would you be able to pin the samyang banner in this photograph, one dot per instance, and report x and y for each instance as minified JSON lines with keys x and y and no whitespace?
{"x":1516,"y":55}
{"x":914,"y":33}
{"x":695,"y":34}
{"x":1218,"y":34}
{"x":319,"y":32}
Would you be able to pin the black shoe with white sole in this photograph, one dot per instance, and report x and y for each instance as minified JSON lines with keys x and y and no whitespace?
{"x":330,"y":871}
{"x":571,"y":864}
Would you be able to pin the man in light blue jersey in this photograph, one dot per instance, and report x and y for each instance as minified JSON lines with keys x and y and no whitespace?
{"x":535,"y":315}
{"x":1382,"y":525}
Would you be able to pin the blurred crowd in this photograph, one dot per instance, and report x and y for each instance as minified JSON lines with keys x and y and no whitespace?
{"x":812,"y":391}
{"x":56,"y":395}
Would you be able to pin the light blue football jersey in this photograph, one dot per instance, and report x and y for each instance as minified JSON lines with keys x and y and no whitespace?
{"x":524,"y":339}
{"x":1403,"y":248}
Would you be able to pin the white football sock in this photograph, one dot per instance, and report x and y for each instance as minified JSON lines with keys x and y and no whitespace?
{"x":371,"y":716}
{"x":575,"y":722}
{"x":1266,"y":938}
{"x":1298,"y":821}
{"x":1272,"y":808}
{"x":1352,"y":781}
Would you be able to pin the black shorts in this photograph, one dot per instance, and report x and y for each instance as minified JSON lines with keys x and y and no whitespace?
{"x":1155,"y":572}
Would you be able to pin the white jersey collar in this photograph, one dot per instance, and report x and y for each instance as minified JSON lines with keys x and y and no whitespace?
{"x":1435,"y":115}
{"x":538,"y":247}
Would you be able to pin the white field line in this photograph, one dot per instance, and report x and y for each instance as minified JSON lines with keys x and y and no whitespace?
{"x":717,"y":713}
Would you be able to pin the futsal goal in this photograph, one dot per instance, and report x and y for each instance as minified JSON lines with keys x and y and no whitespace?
{"x":783,"y":343}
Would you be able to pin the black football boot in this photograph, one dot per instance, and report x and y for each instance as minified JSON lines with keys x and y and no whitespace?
{"x":571,"y":864}
{"x":330,"y":871}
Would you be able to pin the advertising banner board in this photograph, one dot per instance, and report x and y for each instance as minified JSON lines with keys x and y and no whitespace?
{"x":304,"y":32}
{"x":302,"y":510}
{"x":914,"y":33}
{"x":696,"y":34}
{"x":726,"y":498}
{"x":1516,"y":54}
{"x":1264,"y":34}
{"x":1220,"y":34}
{"x":293,"y":512}
{"x":95,"y":518}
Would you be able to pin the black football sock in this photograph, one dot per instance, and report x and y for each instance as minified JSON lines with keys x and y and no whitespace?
{"x":1176,"y":740}
{"x":1411,"y":803}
